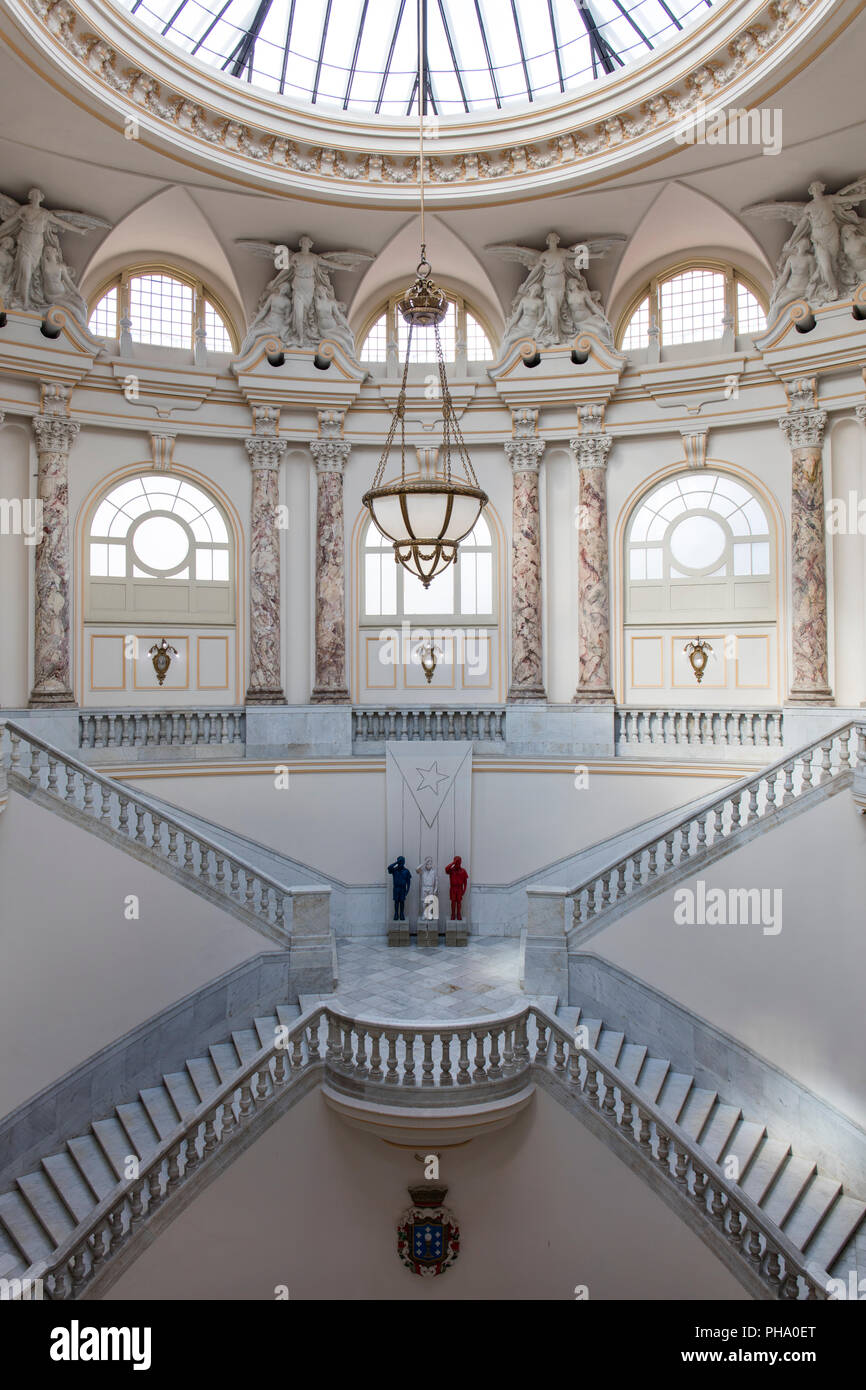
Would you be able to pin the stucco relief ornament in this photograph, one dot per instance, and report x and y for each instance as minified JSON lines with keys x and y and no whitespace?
{"x":33,"y":274}
{"x":824,"y":259}
{"x":428,"y":1237}
{"x":298,"y":305}
{"x":555,"y":303}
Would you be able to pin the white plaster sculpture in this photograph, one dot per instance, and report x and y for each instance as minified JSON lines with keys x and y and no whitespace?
{"x":33,"y":274}
{"x":299,"y":305}
{"x":555,"y":303}
{"x":824,"y":259}
{"x":431,"y":908}
{"x":428,"y":887}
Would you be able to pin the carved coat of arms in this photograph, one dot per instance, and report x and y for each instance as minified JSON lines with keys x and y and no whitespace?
{"x":428,"y":1237}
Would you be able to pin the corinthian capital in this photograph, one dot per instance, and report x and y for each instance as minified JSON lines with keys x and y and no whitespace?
{"x":524,"y":455}
{"x":591,"y":450}
{"x":265,"y":451}
{"x":55,"y":434}
{"x":330,"y":455}
{"x":803,"y":429}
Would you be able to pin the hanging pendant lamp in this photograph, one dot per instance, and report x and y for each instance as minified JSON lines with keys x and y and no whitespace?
{"x":425,"y":521}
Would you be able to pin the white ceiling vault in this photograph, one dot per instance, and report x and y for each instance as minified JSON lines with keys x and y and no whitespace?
{"x":163,"y":206}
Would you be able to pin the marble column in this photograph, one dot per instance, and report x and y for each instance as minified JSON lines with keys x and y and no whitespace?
{"x":266,"y":455}
{"x":52,"y":685}
{"x":330,"y":454}
{"x":524,"y":454}
{"x":804,"y":431}
{"x":593,"y":576}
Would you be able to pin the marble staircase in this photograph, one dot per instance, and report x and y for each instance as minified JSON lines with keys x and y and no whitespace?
{"x":809,"y":1207}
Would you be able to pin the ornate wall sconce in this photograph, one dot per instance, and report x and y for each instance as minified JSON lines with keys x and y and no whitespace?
{"x":428,"y":655}
{"x":161,"y":653}
{"x":697,"y":653}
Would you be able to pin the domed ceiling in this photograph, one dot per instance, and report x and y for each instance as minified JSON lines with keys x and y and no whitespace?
{"x":362,"y":55}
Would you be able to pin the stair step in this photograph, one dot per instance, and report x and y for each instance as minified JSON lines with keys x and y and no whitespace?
{"x":309,"y":1001}
{"x":67,"y":1177}
{"x":24,"y":1227}
{"x":548,"y":1003}
{"x":810,"y":1211}
{"x":225,"y":1059}
{"x":787,"y":1188}
{"x":267,"y":1030}
{"x":835,"y":1231}
{"x":568,"y":1016}
{"x":715,"y":1139}
{"x":674,"y":1093}
{"x":47,"y":1205}
{"x":12,"y":1262}
{"x":204,"y":1075}
{"x":139,"y":1127}
{"x":696,"y":1111}
{"x":93,"y":1164}
{"x":609,"y":1045}
{"x":630,"y":1061}
{"x":116,"y":1144}
{"x":160,"y":1107}
{"x":287,"y":1013}
{"x":768,"y":1160}
{"x":744,"y":1145}
{"x":247,"y":1044}
{"x":185,"y":1097}
{"x":594,"y":1027}
{"x":652,"y":1077}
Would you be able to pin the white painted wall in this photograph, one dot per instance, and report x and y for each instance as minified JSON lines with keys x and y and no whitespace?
{"x":796,"y":997}
{"x":74,"y":973}
{"x":522,"y":818}
{"x":313,"y":1205}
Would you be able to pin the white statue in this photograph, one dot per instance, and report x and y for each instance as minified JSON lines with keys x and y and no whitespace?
{"x":299,"y":303}
{"x":38,"y":277}
{"x":555,"y":303}
{"x":426,"y":878}
{"x":431,"y":908}
{"x":827,"y":228}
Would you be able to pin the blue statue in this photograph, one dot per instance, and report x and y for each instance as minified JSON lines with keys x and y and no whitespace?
{"x":402,"y":879}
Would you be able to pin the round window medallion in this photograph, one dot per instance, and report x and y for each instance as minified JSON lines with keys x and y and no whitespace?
{"x":161,"y":543}
{"x":697,"y":543}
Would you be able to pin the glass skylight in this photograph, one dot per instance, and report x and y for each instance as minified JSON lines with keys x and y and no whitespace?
{"x":362,"y":55}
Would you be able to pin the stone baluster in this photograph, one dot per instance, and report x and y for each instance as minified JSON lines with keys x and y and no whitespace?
{"x":803,"y":428}
{"x":330,"y":454}
{"x":55,"y":435}
{"x":266,"y":454}
{"x":524,"y":453}
{"x":591,"y":449}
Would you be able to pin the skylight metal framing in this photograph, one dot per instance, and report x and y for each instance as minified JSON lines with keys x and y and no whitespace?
{"x":344,"y":53}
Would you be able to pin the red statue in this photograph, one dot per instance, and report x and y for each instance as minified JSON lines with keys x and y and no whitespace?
{"x":459,"y":880}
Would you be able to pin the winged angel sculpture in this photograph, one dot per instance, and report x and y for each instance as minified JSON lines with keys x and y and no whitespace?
{"x":33,"y":273}
{"x":824,"y":258}
{"x":554,"y":303}
{"x":299,"y":305}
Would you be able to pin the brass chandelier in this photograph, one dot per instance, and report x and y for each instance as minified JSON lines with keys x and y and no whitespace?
{"x":425,"y":521}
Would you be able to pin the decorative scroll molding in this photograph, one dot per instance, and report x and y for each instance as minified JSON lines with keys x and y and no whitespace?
{"x":715,"y":64}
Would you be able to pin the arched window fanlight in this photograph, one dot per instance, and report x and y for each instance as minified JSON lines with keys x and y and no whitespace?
{"x":159,"y":527}
{"x":163,"y":309}
{"x":693,"y":306}
{"x":460,"y":325}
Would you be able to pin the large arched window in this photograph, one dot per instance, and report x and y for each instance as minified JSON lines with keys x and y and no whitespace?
{"x":460,"y":325}
{"x":159,"y":546}
{"x":700,"y":560}
{"x":165,"y":309}
{"x":691,"y":306}
{"x":462,"y":592}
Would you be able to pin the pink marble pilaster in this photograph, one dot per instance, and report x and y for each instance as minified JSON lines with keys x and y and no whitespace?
{"x":527,"y":670}
{"x":804,"y":432}
{"x":265,"y":683}
{"x":593,"y":571}
{"x":52,"y":683}
{"x":330,"y":455}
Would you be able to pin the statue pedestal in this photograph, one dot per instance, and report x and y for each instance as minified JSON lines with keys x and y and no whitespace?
{"x":398,"y":933}
{"x":457,"y":933}
{"x":428,"y":932}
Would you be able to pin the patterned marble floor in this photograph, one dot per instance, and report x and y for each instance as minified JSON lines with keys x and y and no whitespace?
{"x":379,"y":981}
